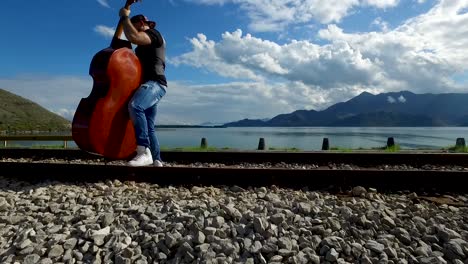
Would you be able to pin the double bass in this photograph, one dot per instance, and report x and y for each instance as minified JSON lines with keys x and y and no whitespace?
{"x":101,"y":123}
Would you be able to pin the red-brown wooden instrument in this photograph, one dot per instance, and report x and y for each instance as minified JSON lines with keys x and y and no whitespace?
{"x":101,"y":123}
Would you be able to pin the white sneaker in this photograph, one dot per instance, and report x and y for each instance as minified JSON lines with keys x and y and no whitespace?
{"x":142,"y":158}
{"x":157,"y":163}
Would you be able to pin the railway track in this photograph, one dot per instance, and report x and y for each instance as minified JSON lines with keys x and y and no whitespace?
{"x":100,"y":218}
{"x":427,"y":172}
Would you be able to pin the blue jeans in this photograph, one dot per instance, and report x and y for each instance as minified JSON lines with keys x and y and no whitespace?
{"x":142,"y":109}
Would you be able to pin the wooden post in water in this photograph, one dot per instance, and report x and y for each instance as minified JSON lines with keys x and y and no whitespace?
{"x":460,"y":143}
{"x":204,"y":143}
{"x":325,"y":144}
{"x":390,"y":142}
{"x":261,"y":144}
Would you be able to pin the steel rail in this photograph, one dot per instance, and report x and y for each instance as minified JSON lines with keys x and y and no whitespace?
{"x":321,"y":177}
{"x":63,"y":138}
{"x":412,"y":180}
{"x":229,"y":157}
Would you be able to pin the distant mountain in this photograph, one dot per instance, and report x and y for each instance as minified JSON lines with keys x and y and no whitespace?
{"x":20,"y":114}
{"x":385,"y":119}
{"x":210,"y":124}
{"x":387,"y":109}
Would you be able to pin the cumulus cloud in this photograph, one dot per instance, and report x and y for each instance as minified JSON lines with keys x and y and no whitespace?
{"x":420,"y":55}
{"x":205,"y":56}
{"x":381,"y":3}
{"x":268,"y":15}
{"x":184,"y":103}
{"x":424,"y":53}
{"x":233,"y":101}
{"x":239,"y":56}
{"x":267,"y":78}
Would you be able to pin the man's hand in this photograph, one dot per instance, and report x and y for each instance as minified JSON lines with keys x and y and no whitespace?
{"x":124,"y":12}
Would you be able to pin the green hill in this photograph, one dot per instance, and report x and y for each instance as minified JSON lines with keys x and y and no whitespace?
{"x":18,"y":114}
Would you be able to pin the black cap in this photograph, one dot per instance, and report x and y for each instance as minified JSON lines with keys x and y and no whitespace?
{"x":140,"y":17}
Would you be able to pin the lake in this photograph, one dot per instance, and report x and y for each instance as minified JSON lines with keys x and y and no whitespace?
{"x":309,"y":138}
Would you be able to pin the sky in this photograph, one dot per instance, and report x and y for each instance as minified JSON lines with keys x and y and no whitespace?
{"x":227,"y":60}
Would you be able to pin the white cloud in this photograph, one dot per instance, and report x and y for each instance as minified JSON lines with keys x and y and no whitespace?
{"x":275,"y":15}
{"x":221,"y":103}
{"x":103,"y":3}
{"x":420,"y":55}
{"x":205,"y":56}
{"x":183,"y":103}
{"x":67,"y":113}
{"x":382,"y":25}
{"x":423,"y":53}
{"x":107,"y":32}
{"x":252,"y":58}
{"x":381,"y":3}
{"x":390,"y":99}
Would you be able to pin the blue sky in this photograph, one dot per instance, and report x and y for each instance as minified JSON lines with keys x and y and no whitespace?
{"x":234,"y":59}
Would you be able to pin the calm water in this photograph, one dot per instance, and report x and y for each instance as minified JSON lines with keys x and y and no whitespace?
{"x":309,"y":138}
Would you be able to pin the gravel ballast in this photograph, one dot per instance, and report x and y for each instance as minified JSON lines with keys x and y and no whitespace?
{"x":128,"y":222}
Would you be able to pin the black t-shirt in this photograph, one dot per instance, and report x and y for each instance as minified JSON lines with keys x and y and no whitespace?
{"x":152,"y":57}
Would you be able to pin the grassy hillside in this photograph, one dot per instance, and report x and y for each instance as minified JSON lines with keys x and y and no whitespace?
{"x":20,"y":114}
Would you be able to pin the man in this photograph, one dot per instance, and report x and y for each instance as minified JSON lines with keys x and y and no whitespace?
{"x":150,"y":50}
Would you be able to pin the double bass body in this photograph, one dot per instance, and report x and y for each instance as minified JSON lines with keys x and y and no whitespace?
{"x":101,"y":123}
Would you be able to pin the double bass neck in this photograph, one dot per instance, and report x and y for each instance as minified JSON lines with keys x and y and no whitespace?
{"x":119,"y":30}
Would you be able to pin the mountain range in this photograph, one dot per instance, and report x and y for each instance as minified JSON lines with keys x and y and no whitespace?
{"x":405,"y":109}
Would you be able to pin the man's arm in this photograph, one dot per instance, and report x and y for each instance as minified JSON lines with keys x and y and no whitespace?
{"x":134,"y":36}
